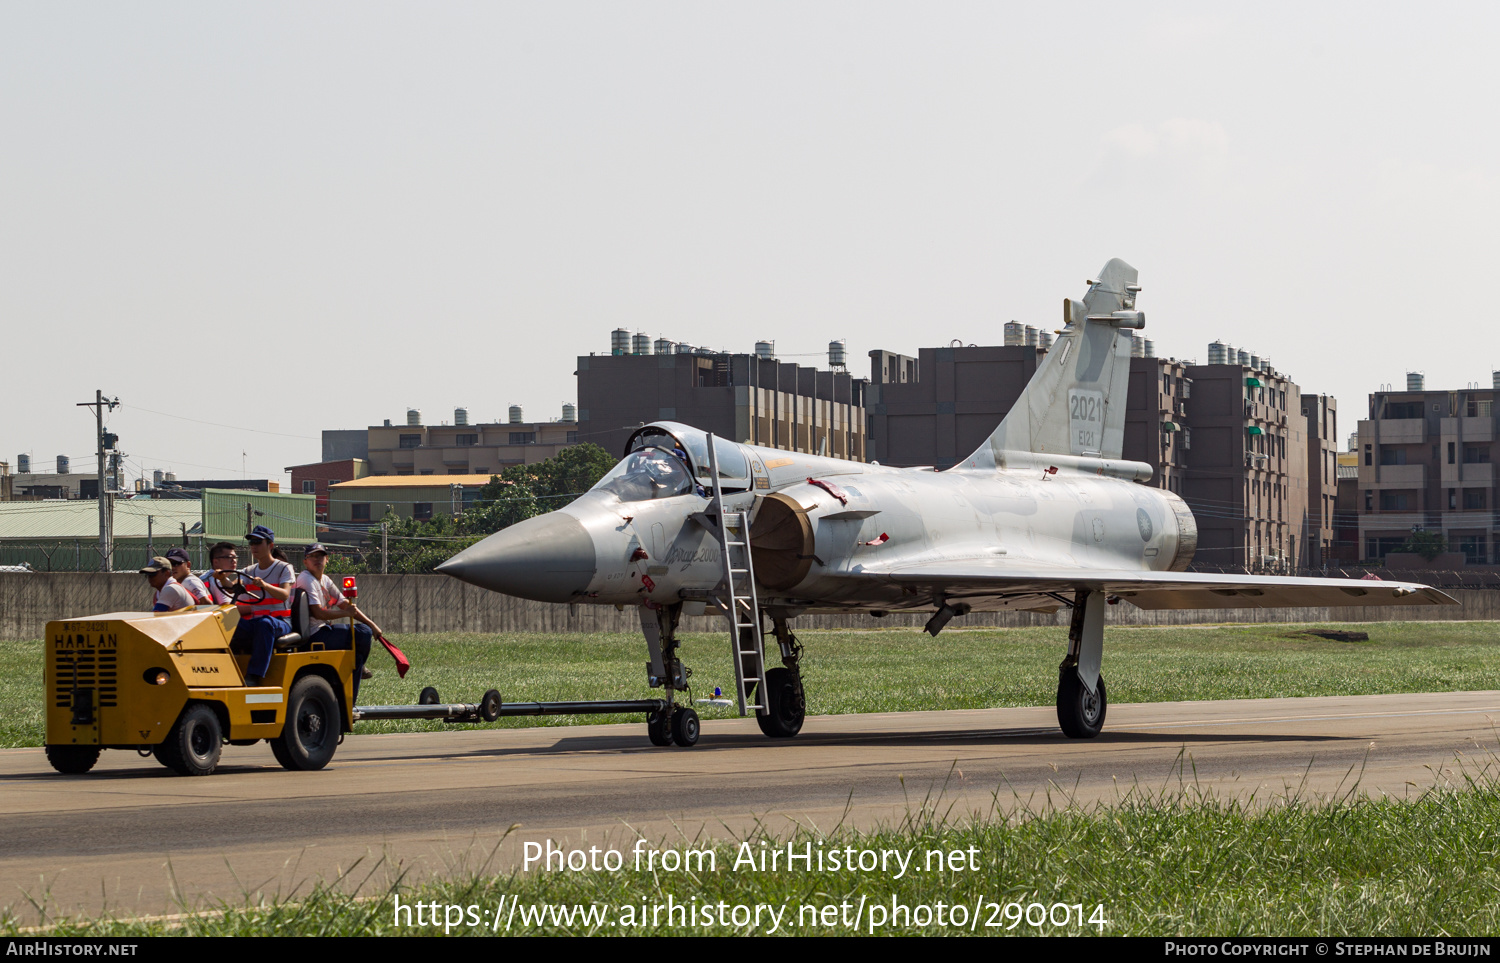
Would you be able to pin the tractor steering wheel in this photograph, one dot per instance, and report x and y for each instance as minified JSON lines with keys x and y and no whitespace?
{"x":238,"y":589}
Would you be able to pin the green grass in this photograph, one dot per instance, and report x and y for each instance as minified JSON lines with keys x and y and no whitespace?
{"x":1158,"y":865}
{"x":885,"y":670}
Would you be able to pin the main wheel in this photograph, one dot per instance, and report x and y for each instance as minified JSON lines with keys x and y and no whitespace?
{"x":659,"y":728}
{"x":429,"y":697}
{"x":193,"y":745}
{"x":685,"y":726}
{"x":1079,"y":712}
{"x":311,"y":732}
{"x":73,"y":760}
{"x":786,"y":706}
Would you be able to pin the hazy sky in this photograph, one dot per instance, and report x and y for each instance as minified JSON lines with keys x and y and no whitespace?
{"x":290,"y":217}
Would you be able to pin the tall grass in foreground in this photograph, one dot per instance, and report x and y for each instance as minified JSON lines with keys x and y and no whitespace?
{"x":1159,"y":863}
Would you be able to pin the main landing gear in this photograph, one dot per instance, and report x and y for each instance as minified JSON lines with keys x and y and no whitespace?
{"x":786,"y":704}
{"x":1081,"y":700}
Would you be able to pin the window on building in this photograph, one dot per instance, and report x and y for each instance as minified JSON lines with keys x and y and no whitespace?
{"x":1452,"y":498}
{"x":425,"y":471}
{"x":309,"y":487}
{"x":458,"y":471}
{"x":1395,"y":501}
{"x":1451,"y":446}
{"x":1403,"y":409}
{"x":523,"y":438}
{"x":465,"y":441}
{"x":406,"y":472}
{"x":1473,"y":548}
{"x":1476,"y":454}
{"x":1391,"y":455}
{"x":421,"y":511}
{"x":1474,"y":498}
{"x":1368,"y":448}
{"x":1369,"y":501}
{"x":360,"y":511}
{"x":1475,"y":408}
{"x":572,"y":437}
{"x":411,"y":441}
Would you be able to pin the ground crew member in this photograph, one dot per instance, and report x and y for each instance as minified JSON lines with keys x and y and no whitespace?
{"x":263,"y":622}
{"x":185,"y":577}
{"x":170,"y":596}
{"x":325,"y":603}
{"x":223,"y":558}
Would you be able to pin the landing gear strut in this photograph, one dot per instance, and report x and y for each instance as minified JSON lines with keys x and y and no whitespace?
{"x":672,"y":723}
{"x":1081,"y":700}
{"x":786,"y":705}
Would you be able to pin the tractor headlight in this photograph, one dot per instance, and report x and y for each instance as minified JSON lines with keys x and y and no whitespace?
{"x":156,"y":676}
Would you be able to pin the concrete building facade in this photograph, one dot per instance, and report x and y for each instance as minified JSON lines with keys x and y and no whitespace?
{"x":479,"y":449}
{"x":1321,"y":415}
{"x":1246,"y":480}
{"x":316,"y":479}
{"x":747,"y":398}
{"x":364,"y":501}
{"x":1427,"y":463}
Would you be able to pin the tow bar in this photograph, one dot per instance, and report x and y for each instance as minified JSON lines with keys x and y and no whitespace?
{"x":492,"y":707}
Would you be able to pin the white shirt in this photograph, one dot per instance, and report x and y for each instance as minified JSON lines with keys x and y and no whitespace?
{"x":211,"y":584}
{"x":322,"y":592}
{"x":197,"y":590}
{"x":279,"y":574}
{"x":173,"y":596}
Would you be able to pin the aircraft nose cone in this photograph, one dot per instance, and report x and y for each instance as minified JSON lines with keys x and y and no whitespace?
{"x":549,"y":558}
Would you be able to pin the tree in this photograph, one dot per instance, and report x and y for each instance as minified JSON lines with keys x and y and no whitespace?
{"x":1429,"y":545}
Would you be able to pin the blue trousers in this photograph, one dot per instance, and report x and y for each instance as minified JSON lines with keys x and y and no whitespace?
{"x":259,"y":636}
{"x":337,"y":637}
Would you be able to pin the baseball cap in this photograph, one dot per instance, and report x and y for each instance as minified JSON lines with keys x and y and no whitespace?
{"x":314,"y":549}
{"x":261,"y":531}
{"x":175,"y":555}
{"x":157,"y":564}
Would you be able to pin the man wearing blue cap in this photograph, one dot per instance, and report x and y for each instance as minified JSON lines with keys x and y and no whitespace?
{"x":263,"y":622}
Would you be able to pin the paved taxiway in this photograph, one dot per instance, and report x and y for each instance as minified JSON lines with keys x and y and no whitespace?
{"x":132,"y":838}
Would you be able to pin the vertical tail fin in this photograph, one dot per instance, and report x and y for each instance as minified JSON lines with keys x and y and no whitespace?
{"x":1075,"y":403}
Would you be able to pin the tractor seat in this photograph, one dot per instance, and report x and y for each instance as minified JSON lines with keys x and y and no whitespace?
{"x":300,"y":618}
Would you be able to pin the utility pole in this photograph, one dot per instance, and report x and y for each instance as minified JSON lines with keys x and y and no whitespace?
{"x":106,"y":503}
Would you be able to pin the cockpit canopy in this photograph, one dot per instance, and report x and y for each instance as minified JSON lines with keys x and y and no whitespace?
{"x":666,"y":458}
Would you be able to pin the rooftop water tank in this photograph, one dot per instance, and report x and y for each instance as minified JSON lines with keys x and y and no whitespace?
{"x":765,"y":350}
{"x":23,"y":460}
{"x":641,"y":343}
{"x":1150,"y":349}
{"x":1217,"y":353}
{"x":1243,"y":358}
{"x":460,"y":416}
{"x":516,"y":417}
{"x":663,"y":346}
{"x":413,"y":418}
{"x":62,"y":464}
{"x":619,"y":341}
{"x":1137,"y":345}
{"x":1044,"y":340}
{"x":156,"y":478}
{"x":838,"y":354}
{"x":570,"y":413}
{"x":170,"y":478}
{"x":1015,"y":334}
{"x":1495,"y":380}
{"x":1414,"y":381}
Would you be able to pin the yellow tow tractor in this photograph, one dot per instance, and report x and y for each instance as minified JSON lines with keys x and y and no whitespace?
{"x":169,"y":685}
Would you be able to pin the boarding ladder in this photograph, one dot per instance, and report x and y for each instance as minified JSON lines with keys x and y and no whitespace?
{"x":739,"y":600}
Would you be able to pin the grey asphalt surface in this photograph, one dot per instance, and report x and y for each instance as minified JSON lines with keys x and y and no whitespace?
{"x":131,"y":838}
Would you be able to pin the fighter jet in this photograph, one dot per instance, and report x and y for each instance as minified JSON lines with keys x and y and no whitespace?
{"x":1045,"y":515}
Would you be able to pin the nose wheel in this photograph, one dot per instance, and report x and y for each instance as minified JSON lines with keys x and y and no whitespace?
{"x":678,"y":726}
